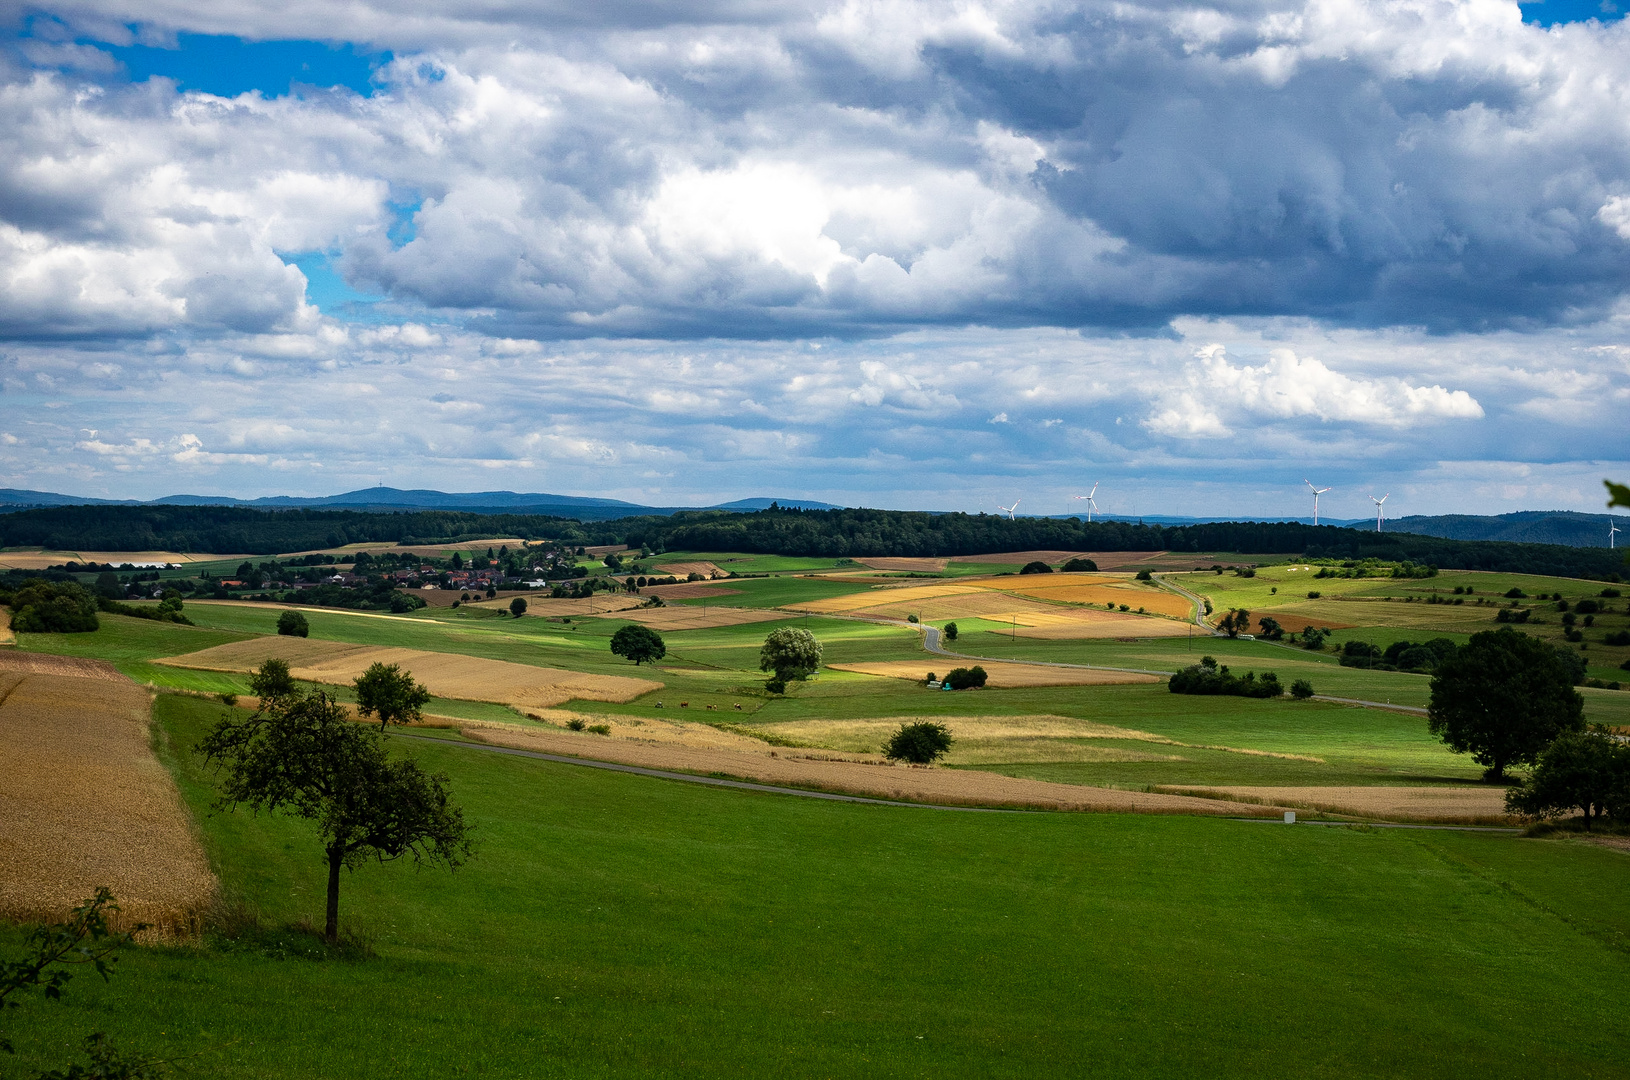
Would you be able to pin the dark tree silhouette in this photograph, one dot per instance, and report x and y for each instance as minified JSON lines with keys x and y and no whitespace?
{"x":1503,"y":697}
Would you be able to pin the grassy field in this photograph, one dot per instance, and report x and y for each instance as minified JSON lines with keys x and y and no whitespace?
{"x":617,"y":925}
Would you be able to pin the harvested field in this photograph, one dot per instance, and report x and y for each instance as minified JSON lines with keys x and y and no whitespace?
{"x":6,"y":636}
{"x":909,"y":564}
{"x":1071,"y":589}
{"x":415,"y":549}
{"x":441,"y":598}
{"x":86,"y":804}
{"x":1091,"y":625}
{"x":626,"y":728}
{"x":37,"y":559}
{"x":1463,"y":804}
{"x":1002,"y":676}
{"x":1019,"y":558}
{"x":988,"y":740}
{"x":15,"y":661}
{"x":448,"y":675}
{"x":878,"y":596}
{"x":542,"y":604}
{"x":961,"y":787}
{"x":691,"y":590}
{"x":1295,"y":623}
{"x":695,"y":618}
{"x":680,"y":569}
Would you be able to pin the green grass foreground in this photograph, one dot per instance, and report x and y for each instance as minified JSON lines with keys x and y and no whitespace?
{"x":620,"y":926}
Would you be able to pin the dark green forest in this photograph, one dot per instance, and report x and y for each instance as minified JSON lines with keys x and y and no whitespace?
{"x":825,"y":533}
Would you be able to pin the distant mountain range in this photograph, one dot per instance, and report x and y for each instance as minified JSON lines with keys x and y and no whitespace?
{"x":1565,"y":527}
{"x":385,"y":499}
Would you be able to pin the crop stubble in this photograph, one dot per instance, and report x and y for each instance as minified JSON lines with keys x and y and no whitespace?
{"x":448,"y":675}
{"x":85,"y":804}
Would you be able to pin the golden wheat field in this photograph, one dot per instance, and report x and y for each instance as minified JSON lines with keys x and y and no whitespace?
{"x":6,"y":636}
{"x":1088,"y":624}
{"x":448,"y":675}
{"x":85,"y":804}
{"x":1073,"y":590}
{"x":986,"y":740}
{"x":38,"y":559}
{"x":1001,"y":676}
{"x":682,"y":569}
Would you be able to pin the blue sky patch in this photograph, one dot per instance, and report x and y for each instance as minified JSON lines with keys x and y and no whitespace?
{"x":1557,"y":12}
{"x":229,"y":66}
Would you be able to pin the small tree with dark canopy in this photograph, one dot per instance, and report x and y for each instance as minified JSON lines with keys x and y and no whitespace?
{"x":1080,"y":566}
{"x":293,"y":624}
{"x":272,"y":680}
{"x":966,"y":678}
{"x":950,"y":631}
{"x":1588,"y":771}
{"x":1235,"y":622}
{"x":302,"y":755}
{"x":920,"y":744}
{"x":1503,"y":697}
{"x":1037,"y":567}
{"x":638,"y":643}
{"x":791,"y":653}
{"x":517,"y":606}
{"x":391,"y":692}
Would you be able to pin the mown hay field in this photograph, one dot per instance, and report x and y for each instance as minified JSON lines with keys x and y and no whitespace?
{"x":681,"y":569}
{"x":448,"y":675}
{"x":1466,"y":803}
{"x":37,"y":559}
{"x":907,"y":563}
{"x":1081,"y":625}
{"x":1001,"y":676}
{"x":546,"y":606}
{"x":85,"y":804}
{"x":1082,"y":589}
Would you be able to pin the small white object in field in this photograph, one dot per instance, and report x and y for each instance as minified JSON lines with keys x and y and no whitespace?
{"x":1290,"y":817}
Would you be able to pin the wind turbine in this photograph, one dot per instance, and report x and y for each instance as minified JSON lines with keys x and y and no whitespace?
{"x":1091,"y":505}
{"x":1008,"y":510}
{"x":1316,"y":493}
{"x":1612,"y":531}
{"x":1378,"y":503}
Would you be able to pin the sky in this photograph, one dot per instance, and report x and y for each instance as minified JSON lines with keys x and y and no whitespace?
{"x":920,"y":255}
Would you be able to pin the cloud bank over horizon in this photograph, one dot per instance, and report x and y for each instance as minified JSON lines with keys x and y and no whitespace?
{"x":687,"y":252}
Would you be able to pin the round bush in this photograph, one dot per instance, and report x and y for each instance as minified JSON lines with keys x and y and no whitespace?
{"x":920,"y":744}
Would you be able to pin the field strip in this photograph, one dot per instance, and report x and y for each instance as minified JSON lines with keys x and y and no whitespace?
{"x":273,"y":605}
{"x":965,"y":787}
{"x":85,"y":804}
{"x":1003,"y":674}
{"x":33,"y":663}
{"x":1460,"y":804}
{"x":697,"y":618}
{"x":6,"y":636}
{"x":447,"y":675}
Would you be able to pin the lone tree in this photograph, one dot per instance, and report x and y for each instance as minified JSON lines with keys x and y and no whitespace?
{"x":293,"y":624}
{"x":517,"y":606}
{"x":639,"y":644}
{"x":272,"y":680}
{"x":1036,"y":567}
{"x":950,"y":631}
{"x":791,"y":654}
{"x":1235,"y":623}
{"x":1588,"y":771}
{"x":300,"y":754}
{"x":391,"y":692}
{"x":1503,"y":697}
{"x":920,"y":744}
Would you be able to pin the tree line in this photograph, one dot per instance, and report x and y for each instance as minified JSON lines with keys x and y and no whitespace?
{"x":775,"y":531}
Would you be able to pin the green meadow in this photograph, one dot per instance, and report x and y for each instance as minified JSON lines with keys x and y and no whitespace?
{"x":614,"y":925}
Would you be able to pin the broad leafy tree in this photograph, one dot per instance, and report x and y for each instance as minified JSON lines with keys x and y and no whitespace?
{"x":293,"y":624}
{"x":389,"y":692}
{"x":920,"y":744}
{"x":1503,"y":697}
{"x":791,"y":653}
{"x":517,"y":606}
{"x":301,"y":755}
{"x":1588,"y":771}
{"x":272,"y":680}
{"x":640,"y":644}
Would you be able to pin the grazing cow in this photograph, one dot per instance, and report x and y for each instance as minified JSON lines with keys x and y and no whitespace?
{"x":738,"y":706}
{"x":684,"y":704}
{"x":711,"y":707}
{"x":659,"y":704}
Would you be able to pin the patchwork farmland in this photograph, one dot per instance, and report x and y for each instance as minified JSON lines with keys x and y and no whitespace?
{"x":1128,"y":793}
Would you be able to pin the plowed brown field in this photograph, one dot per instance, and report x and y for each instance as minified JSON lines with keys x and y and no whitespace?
{"x":919,"y":565}
{"x":85,"y":804}
{"x":449,"y":675}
